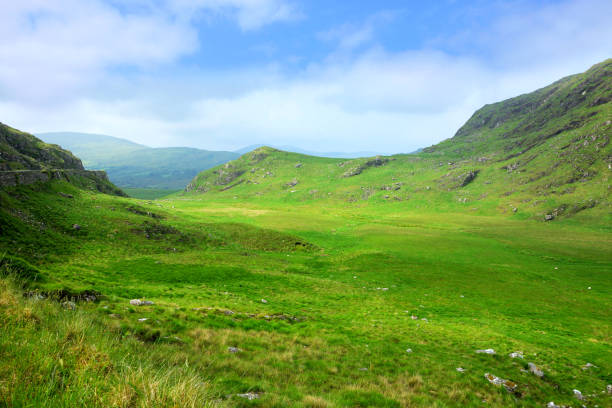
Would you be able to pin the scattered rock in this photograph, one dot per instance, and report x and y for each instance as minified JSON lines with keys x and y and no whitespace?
{"x":249,"y":395}
{"x":297,"y":166}
{"x":115,"y":316}
{"x":535,"y":370}
{"x":138,"y":302}
{"x":414,"y":317}
{"x":553,"y":405}
{"x":578,"y":395}
{"x":516,"y":354}
{"x":66,"y":195}
{"x":507,"y":384}
{"x":460,"y":369}
{"x":143,"y":319}
{"x":228,"y":312}
{"x":363,"y":369}
{"x":549,"y":217}
{"x":264,"y":301}
{"x":69,"y":305}
{"x":409,"y":350}
{"x":588,"y":365}
{"x":609,"y":388}
{"x":234,"y":349}
{"x":292,"y":183}
{"x":486,"y":351}
{"x":76,"y":227}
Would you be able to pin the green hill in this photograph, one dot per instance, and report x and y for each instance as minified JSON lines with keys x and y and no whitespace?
{"x":25,"y":159}
{"x":136,"y":167}
{"x":23,"y":151}
{"x":545,"y":154}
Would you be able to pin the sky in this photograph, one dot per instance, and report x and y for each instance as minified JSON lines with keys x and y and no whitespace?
{"x":349,"y":75}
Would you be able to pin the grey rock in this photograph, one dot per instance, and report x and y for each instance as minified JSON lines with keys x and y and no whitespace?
{"x":549,"y":217}
{"x":249,"y":395}
{"x":264,"y":301}
{"x":76,"y":227}
{"x":516,"y":354}
{"x":535,"y":370}
{"x":234,"y":349}
{"x":69,"y":305}
{"x":495,"y":380}
{"x":138,"y":302}
{"x":486,"y":351}
{"x":460,"y":369}
{"x":578,"y":395}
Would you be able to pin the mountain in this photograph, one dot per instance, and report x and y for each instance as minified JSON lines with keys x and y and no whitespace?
{"x":294,"y":149}
{"x":25,"y":159}
{"x":544,"y":154}
{"x":131,"y":165}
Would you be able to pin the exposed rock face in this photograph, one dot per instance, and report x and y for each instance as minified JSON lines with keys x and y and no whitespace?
{"x":23,"y":151}
{"x":375,"y":162}
{"x":25,"y":159}
{"x":97,"y":179}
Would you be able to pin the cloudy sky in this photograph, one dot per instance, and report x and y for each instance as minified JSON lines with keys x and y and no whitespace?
{"x":351,"y":75}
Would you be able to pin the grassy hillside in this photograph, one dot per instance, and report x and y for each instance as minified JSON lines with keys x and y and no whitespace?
{"x":340,"y":283}
{"x":135,"y":166}
{"x":541,"y":155}
{"x":23,"y":151}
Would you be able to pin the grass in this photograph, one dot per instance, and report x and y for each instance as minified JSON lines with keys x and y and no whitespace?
{"x":148,"y":193}
{"x":330,"y":333}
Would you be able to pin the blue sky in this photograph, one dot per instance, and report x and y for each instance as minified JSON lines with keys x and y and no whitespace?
{"x":385,"y":76}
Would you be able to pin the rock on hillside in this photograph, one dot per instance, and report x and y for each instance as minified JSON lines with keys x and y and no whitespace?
{"x":25,"y":159}
{"x":23,"y":151}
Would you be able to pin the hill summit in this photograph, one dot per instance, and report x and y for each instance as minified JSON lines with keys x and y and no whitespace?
{"x":544,"y":154}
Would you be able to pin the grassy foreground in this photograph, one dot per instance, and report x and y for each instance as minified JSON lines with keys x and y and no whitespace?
{"x":302,"y":305}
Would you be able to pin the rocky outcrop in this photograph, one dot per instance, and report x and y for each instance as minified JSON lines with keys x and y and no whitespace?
{"x":94,"y":179}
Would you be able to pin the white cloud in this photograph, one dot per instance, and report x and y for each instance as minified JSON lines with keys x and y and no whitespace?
{"x":249,"y":14}
{"x":366,"y":98}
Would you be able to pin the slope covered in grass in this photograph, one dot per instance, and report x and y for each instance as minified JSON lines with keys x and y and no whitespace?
{"x":23,"y":151}
{"x":541,"y":155}
{"x":340,"y":283}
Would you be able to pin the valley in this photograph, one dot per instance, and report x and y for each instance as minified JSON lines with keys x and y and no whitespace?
{"x":477,"y":272}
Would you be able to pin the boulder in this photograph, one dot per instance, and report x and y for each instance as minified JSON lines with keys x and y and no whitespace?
{"x":507,"y":384}
{"x":535,"y":370}
{"x":249,"y":395}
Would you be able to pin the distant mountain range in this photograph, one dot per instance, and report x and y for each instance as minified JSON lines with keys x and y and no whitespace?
{"x":131,"y":165}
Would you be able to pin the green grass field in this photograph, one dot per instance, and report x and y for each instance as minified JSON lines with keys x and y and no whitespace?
{"x":341,"y":283}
